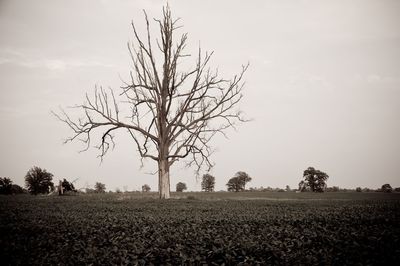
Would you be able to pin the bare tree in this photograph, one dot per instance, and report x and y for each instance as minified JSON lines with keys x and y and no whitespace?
{"x":173,"y":114}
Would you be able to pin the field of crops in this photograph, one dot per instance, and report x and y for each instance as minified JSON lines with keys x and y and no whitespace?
{"x":200,"y":228}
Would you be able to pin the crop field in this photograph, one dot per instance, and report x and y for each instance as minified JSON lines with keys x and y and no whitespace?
{"x":201,"y":228}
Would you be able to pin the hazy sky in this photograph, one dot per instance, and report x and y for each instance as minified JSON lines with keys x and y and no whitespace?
{"x":323,"y":87}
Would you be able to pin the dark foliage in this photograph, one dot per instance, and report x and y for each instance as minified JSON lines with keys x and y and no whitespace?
{"x":68,"y":186}
{"x":208,"y":183}
{"x":387,"y":188}
{"x":39,"y":181}
{"x":5,"y":186}
{"x":146,"y":188}
{"x":180,"y":187}
{"x":16,"y":189}
{"x":99,"y":187}
{"x":90,"y":230}
{"x":238,"y":182}
{"x":358,"y":189}
{"x":314,"y":180}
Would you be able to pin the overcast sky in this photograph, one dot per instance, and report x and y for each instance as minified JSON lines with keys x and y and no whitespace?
{"x":323,"y":87}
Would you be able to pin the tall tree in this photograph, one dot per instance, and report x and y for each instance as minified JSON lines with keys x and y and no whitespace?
{"x":39,"y":181}
{"x":314,"y":180}
{"x":208,"y":183}
{"x":170,"y":113}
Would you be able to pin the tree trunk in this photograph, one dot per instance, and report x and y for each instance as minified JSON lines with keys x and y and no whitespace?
{"x":163,"y":179}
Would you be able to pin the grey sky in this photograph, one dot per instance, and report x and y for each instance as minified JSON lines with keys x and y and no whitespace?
{"x":323,"y":87}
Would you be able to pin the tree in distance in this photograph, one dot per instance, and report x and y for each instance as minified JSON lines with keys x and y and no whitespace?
{"x":5,"y":186}
{"x":387,"y":188}
{"x":99,"y":187}
{"x":39,"y":181}
{"x":180,"y":187}
{"x":146,"y":188}
{"x":208,"y":183}
{"x":68,"y":186}
{"x":358,"y":189}
{"x":17,"y":189}
{"x":170,"y":113}
{"x":238,"y":182}
{"x":314,"y":180}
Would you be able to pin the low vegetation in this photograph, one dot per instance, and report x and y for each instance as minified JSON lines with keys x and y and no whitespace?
{"x":201,"y":228}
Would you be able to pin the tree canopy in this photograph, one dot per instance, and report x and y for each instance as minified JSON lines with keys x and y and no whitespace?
{"x":99,"y":187}
{"x":314,"y":180}
{"x":238,"y":182}
{"x":180,"y":187}
{"x":39,"y":181}
{"x":208,"y":183}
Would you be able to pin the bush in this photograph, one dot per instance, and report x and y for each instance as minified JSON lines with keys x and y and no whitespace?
{"x":5,"y":186}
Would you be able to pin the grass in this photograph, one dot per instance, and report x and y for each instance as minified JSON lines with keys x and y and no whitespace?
{"x":201,"y":228}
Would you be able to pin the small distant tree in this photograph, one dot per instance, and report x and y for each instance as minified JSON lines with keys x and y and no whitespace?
{"x":315,"y":180}
{"x":359,"y":189}
{"x":238,"y":182}
{"x":146,"y":188}
{"x":16,"y":189}
{"x":99,"y":187}
{"x":235,"y":184}
{"x":397,"y":189}
{"x":39,"y":181}
{"x":387,"y":188}
{"x":208,"y":183}
{"x":89,"y":190}
{"x":332,"y":189}
{"x":288,"y":188}
{"x":68,"y":186}
{"x":5,"y":186}
{"x":180,"y":187}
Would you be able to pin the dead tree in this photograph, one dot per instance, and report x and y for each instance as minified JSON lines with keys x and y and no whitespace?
{"x":169,"y":113}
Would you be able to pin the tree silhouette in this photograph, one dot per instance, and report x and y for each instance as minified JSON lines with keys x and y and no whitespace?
{"x":146,"y":188}
{"x":314,"y":180}
{"x":169,"y":113}
{"x":386,"y":188}
{"x":5,"y":185}
{"x":39,"y":181}
{"x":99,"y":187}
{"x":180,"y":187}
{"x":208,"y":183}
{"x":238,"y":182}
